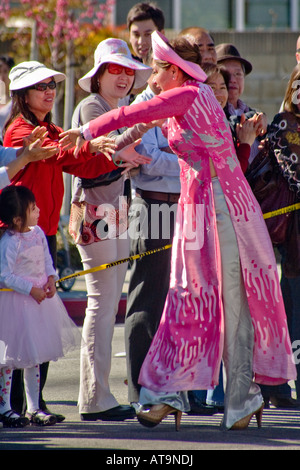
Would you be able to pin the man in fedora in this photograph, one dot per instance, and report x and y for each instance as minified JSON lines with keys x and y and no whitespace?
{"x":238,"y":68}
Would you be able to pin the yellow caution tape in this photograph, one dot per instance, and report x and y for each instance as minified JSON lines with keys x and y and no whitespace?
{"x":107,"y":265}
{"x":115,"y":263}
{"x":284,"y":210}
{"x":267,"y":215}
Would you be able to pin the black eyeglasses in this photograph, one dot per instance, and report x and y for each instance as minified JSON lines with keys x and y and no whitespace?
{"x":43,"y":86}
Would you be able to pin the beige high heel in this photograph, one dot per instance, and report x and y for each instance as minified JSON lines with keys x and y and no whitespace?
{"x":156,"y":413}
{"x":243,"y":423}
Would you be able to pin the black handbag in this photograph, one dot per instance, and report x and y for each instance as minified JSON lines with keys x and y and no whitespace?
{"x":101,"y":180}
{"x":272,"y":192}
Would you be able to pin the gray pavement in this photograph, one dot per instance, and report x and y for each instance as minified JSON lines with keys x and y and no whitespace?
{"x":280,"y":430}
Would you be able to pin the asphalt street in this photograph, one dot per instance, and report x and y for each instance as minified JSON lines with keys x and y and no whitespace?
{"x":280,"y":428}
{"x":142,"y":447}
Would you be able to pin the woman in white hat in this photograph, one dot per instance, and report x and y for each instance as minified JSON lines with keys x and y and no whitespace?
{"x":33,"y":89}
{"x":224,"y":299}
{"x":98,"y":223}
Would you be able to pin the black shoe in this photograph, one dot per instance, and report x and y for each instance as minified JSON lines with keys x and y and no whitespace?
{"x":59,"y":418}
{"x":41,"y":418}
{"x":198,"y":408}
{"x":11,"y":419}
{"x":118,"y":413}
{"x":284,"y":402}
{"x":202,"y":409}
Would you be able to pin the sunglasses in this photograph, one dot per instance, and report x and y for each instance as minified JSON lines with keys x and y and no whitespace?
{"x":43,"y":86}
{"x":116,"y":69}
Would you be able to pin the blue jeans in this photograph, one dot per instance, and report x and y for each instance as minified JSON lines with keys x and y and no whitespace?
{"x":212,"y":397}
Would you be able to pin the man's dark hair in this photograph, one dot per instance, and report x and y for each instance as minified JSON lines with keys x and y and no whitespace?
{"x":146,"y":11}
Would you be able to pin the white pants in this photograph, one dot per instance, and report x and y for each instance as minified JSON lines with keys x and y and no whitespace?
{"x":242,"y":395}
{"x":104,"y":289}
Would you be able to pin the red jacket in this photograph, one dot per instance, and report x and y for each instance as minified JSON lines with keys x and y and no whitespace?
{"x":45,"y":178}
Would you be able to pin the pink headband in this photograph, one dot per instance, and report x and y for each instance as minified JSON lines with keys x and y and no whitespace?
{"x":163,"y":51}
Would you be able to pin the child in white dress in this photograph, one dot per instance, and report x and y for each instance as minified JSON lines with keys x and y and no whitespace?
{"x":34,"y":325}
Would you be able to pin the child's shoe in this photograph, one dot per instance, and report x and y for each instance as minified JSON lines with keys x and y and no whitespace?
{"x":40,"y":418}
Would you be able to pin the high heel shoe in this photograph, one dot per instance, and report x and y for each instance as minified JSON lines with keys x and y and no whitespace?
{"x":243,"y":423}
{"x":156,"y":413}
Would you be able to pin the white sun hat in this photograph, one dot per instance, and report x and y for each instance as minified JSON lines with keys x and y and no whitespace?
{"x":116,"y":51}
{"x":31,"y":72}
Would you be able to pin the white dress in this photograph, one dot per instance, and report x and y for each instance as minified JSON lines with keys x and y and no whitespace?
{"x":30,"y":333}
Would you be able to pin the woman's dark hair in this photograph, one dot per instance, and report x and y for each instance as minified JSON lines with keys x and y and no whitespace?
{"x":20,"y":107}
{"x":185,"y":50}
{"x":14,"y":202}
{"x":95,"y":78}
{"x":211,"y":69}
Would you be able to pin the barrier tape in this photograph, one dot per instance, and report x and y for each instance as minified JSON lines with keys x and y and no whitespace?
{"x":115,"y":263}
{"x":267,"y":215}
{"x":284,"y":210}
{"x":107,"y":265}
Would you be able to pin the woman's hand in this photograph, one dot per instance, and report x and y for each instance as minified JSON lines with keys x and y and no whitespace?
{"x":130,"y":157}
{"x":262,"y":122}
{"x":104,"y":145}
{"x":248,"y":129}
{"x":38,"y":134}
{"x":70,"y":139}
{"x":34,"y":152}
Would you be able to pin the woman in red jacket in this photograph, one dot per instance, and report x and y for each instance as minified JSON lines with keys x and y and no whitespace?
{"x":33,"y":88}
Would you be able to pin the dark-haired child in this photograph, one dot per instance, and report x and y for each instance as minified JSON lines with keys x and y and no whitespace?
{"x":34,"y":325}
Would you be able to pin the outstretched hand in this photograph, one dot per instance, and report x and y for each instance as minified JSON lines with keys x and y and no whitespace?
{"x":130,"y":157}
{"x":32,"y":150}
{"x":104,"y":145}
{"x":70,"y":139}
{"x":37,"y":136}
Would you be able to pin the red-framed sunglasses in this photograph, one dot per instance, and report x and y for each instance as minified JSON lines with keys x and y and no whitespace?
{"x":116,"y":69}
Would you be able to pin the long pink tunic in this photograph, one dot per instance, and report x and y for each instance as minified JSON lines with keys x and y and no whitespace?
{"x":186,"y":351}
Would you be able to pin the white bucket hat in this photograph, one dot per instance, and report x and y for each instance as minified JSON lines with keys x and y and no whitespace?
{"x":116,"y":51}
{"x":29,"y":73}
